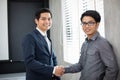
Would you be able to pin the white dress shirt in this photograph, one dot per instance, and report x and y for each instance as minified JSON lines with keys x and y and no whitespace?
{"x":46,"y":38}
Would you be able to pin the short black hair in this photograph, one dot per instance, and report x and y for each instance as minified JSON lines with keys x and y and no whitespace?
{"x":92,"y":13}
{"x":42,"y":10}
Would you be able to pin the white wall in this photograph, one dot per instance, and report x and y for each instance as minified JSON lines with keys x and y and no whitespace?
{"x":3,"y":31}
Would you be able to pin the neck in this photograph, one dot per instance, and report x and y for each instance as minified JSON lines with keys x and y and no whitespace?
{"x":89,"y":36}
{"x":41,"y":31}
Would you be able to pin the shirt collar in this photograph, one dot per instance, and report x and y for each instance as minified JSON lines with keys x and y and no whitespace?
{"x":94,"y":37}
{"x":42,"y":33}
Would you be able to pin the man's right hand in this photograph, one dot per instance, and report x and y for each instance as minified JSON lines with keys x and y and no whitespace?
{"x":59,"y":71}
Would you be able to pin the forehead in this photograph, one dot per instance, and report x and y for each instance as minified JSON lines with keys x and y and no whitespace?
{"x":87,"y":19}
{"x":46,"y":14}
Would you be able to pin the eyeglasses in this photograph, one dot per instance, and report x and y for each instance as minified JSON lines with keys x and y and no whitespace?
{"x":88,"y":23}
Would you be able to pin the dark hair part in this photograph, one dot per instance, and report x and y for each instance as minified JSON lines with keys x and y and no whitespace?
{"x":42,"y":10}
{"x":92,"y":13}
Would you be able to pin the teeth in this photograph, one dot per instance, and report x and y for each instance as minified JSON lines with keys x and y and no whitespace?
{"x":87,"y":30}
{"x":46,"y":25}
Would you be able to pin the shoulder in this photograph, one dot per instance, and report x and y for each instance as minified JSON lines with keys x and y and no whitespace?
{"x":102,"y":42}
{"x":101,"y":39}
{"x":31,"y":35}
{"x":28,"y":37}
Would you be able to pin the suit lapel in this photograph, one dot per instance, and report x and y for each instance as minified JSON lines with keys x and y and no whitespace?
{"x":42,"y":41}
{"x":50,"y":46}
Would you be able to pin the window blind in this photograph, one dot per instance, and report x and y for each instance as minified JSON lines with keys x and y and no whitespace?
{"x":71,"y":31}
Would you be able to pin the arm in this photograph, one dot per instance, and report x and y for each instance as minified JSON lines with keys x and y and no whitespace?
{"x":33,"y":64}
{"x":58,"y":71}
{"x":75,"y":67}
{"x":54,"y":58}
{"x":78,"y":66}
{"x":108,"y":57}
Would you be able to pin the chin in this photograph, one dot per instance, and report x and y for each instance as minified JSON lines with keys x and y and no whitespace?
{"x":88,"y":33}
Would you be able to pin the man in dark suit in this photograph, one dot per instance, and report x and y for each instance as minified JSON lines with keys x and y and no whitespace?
{"x":40,"y":60}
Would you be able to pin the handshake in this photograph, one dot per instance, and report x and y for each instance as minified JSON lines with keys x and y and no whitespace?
{"x":59,"y":70}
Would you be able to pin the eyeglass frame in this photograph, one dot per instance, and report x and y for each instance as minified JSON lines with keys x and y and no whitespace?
{"x":91,"y":23}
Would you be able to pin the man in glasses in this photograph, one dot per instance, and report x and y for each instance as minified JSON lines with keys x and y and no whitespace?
{"x":97,"y":60}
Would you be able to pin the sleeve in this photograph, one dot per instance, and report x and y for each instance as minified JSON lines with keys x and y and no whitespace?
{"x":109,"y":59}
{"x":29,"y":56}
{"x":73,"y":68}
{"x":54,"y":58}
{"x":76,"y":67}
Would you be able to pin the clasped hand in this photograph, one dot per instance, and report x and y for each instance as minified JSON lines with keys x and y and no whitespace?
{"x":59,"y":70}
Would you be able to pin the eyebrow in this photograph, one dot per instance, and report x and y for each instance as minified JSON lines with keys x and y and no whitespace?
{"x":89,"y":21}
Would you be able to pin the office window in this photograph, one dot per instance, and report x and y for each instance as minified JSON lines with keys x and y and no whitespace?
{"x":73,"y":36}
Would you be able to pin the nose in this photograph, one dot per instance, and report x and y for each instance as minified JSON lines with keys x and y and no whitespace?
{"x":47,"y":21}
{"x":87,"y":25}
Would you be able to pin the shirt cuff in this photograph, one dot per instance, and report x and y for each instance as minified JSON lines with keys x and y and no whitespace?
{"x":54,"y":70}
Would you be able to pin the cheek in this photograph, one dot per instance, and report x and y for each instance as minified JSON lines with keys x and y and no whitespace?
{"x":50,"y":22}
{"x":83,"y":28}
{"x":94,"y":29}
{"x":40,"y":23}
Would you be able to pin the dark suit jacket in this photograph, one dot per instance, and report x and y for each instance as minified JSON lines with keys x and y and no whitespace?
{"x":38,"y":60}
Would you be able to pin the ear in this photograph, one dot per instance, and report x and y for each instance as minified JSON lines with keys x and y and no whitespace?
{"x":97,"y":25}
{"x":36,"y":21}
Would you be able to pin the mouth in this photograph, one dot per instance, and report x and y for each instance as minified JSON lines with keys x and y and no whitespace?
{"x":46,"y":25}
{"x":87,"y":30}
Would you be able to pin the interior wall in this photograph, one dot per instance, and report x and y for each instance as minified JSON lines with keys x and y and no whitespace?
{"x":112,"y":25}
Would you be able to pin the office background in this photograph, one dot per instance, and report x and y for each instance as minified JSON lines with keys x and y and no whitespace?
{"x":19,"y":25}
{"x":17,"y":19}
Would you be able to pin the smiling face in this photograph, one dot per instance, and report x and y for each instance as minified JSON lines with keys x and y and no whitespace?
{"x":89,"y":26}
{"x":44,"y":22}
